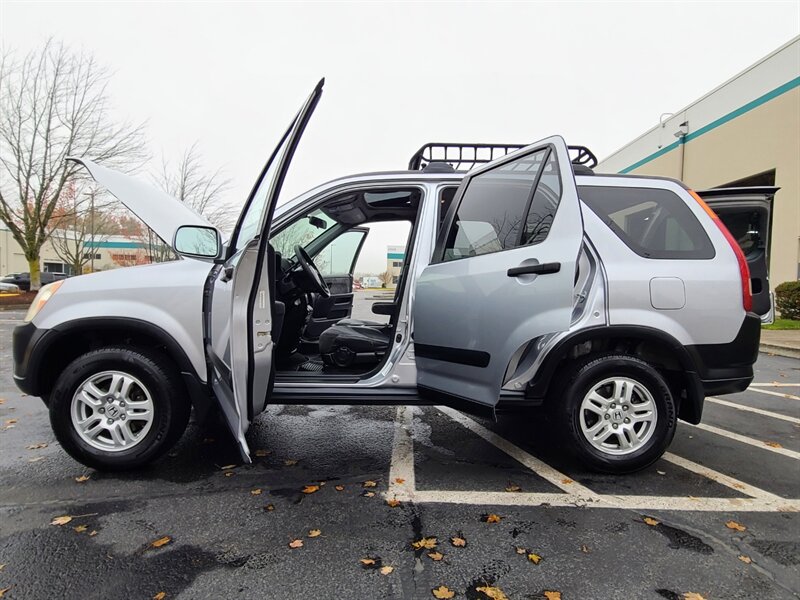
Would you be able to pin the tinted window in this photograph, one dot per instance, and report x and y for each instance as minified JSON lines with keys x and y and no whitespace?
{"x":653,"y":223}
{"x":746,"y":227}
{"x":491,"y":215}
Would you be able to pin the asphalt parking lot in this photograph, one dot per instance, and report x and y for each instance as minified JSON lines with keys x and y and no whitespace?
{"x":717,"y":517}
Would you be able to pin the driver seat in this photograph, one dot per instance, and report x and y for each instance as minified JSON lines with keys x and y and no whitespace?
{"x":354,"y":342}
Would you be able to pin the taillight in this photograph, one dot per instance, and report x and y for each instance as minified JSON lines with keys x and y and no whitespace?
{"x":744,"y":269}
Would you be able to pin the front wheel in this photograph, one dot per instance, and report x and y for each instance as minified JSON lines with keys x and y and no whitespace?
{"x":118,"y":408}
{"x":616,"y":411}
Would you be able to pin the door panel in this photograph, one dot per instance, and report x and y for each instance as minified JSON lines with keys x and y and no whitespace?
{"x":747,"y":213}
{"x":502,"y":273}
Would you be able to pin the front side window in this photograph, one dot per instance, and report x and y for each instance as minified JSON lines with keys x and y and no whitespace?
{"x":338,"y":257}
{"x":506,"y":207}
{"x":301,"y":232}
{"x":654,"y":223}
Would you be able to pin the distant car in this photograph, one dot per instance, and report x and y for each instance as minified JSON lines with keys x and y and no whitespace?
{"x":23,"y":280}
{"x":9,"y":288}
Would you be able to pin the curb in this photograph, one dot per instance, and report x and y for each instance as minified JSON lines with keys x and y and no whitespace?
{"x":779,"y":350}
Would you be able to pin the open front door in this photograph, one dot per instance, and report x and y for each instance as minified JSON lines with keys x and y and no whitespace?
{"x":242,"y":317}
{"x":501,"y":275}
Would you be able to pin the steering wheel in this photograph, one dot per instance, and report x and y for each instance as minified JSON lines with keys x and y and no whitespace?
{"x":311,"y":270}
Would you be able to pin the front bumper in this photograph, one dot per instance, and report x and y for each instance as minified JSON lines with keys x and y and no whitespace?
{"x":26,"y":339}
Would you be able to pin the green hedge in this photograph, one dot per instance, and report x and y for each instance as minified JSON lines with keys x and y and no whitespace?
{"x":787,"y":299}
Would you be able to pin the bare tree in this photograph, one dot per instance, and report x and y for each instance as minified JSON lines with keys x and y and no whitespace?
{"x":386,"y":278}
{"x":202,"y":190}
{"x":53,"y":104}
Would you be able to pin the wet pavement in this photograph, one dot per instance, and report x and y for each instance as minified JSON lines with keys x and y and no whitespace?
{"x":717,"y":516}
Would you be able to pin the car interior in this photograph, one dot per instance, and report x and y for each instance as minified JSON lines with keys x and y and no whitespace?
{"x":315,"y":256}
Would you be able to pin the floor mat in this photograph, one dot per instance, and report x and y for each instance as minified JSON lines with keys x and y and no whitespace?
{"x":312,"y":365}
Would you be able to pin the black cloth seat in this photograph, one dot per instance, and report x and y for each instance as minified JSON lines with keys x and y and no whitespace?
{"x":354,"y":342}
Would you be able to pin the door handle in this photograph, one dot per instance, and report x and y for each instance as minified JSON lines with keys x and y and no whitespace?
{"x":541,"y":269}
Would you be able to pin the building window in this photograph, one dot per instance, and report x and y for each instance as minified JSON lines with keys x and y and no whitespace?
{"x":397,"y":263}
{"x":88,"y":256}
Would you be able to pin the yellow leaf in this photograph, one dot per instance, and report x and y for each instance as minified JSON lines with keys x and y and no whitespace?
{"x":495,"y":593}
{"x":427,"y":543}
{"x":160,"y":596}
{"x":339,"y":488}
{"x":229,"y":473}
{"x":296,"y":544}
{"x":493,"y":518}
{"x":11,"y":421}
{"x":459,"y":542}
{"x":269,"y":507}
{"x":61,"y":520}
{"x":370,"y":484}
{"x":394,"y":502}
{"x":435,"y":555}
{"x":692,"y":596}
{"x":262,"y":453}
{"x":227,"y":467}
{"x":310,"y":489}
{"x":80,"y":528}
{"x":162,"y":541}
{"x":651,"y":521}
{"x":255,"y":492}
{"x":290,"y":462}
{"x":520,"y":550}
{"x":82,"y":478}
{"x":534,"y":558}
{"x":551,"y":595}
{"x":399,"y":480}
{"x":513,"y":487}
{"x":367,"y":562}
{"x":745,"y":559}
{"x":386,"y":570}
{"x":443,"y":593}
{"x":567,"y":481}
{"x":773,"y":444}
{"x":735,"y":526}
{"x":368,"y":494}
{"x":38,"y":446}
{"x":312,"y":533}
{"x":93,"y":533}
{"x":3,"y":591}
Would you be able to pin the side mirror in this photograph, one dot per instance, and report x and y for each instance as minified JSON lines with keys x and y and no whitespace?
{"x":197,"y":241}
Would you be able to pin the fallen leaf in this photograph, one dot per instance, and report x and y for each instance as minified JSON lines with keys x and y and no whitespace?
{"x":368,"y":494}
{"x":661,"y":472}
{"x":262,"y":453}
{"x":255,"y":492}
{"x":4,"y":590}
{"x":61,"y":520}
{"x":492,"y":518}
{"x":735,"y":526}
{"x":428,"y":543}
{"x":738,"y":486}
{"x":585,"y":549}
{"x":435,"y":555}
{"x":692,"y":596}
{"x":368,"y":484}
{"x":399,"y":480}
{"x":394,"y":502}
{"x":745,"y":559}
{"x":269,"y":507}
{"x":38,"y":446}
{"x":227,"y":467}
{"x":773,"y":444}
{"x":35,"y":459}
{"x":11,"y":421}
{"x":312,"y":533}
{"x":80,"y":528}
{"x":296,"y":544}
{"x":520,"y":550}
{"x":368,"y":562}
{"x":552,"y":595}
{"x":93,"y":533}
{"x":458,"y":542}
{"x":567,"y":481}
{"x":386,"y":570}
{"x":443,"y":593}
{"x":290,"y":462}
{"x":2,"y":566}
{"x":310,"y":489}
{"x":339,"y":488}
{"x":495,"y":593}
{"x":513,"y":487}
{"x":82,"y":478}
{"x":651,"y":521}
{"x":162,"y":541}
{"x":534,"y":558}
{"x":160,"y":596}
{"x":229,"y":473}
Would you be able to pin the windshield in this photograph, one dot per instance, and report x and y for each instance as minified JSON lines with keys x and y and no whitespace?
{"x":302,"y":232}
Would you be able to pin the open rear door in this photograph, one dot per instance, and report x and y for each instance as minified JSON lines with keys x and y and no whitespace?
{"x":501,"y":275}
{"x":242,"y":317}
{"x":747,"y":213}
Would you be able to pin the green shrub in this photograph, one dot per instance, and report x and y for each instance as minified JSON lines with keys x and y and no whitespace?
{"x":787,"y":299}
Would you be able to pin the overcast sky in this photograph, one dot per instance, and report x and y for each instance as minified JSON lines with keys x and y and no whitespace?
{"x":231,"y":76}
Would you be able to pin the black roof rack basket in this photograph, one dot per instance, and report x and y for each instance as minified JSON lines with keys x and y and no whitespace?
{"x":463,"y":157}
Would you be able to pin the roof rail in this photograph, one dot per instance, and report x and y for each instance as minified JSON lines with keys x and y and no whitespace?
{"x":464,"y":157}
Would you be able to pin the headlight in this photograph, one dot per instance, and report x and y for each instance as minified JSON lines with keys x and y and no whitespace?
{"x":41,"y":299}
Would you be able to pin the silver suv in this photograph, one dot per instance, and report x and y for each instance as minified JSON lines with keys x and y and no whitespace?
{"x":616,"y":302}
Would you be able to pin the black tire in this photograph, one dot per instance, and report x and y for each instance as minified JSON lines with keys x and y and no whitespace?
{"x":171,"y":407}
{"x":577,"y":380}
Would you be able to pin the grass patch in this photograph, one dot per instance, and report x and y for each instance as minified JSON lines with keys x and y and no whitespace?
{"x":781,"y":324}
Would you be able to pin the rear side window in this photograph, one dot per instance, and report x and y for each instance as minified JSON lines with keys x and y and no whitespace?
{"x":654,"y":223}
{"x":509,"y":206}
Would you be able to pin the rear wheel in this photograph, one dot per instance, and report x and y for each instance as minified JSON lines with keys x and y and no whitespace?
{"x":617,"y":411}
{"x":118,"y":408}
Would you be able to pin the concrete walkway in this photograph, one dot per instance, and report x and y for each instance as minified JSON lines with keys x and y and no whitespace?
{"x":782,"y":342}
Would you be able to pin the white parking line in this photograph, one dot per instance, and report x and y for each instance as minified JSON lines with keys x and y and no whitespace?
{"x":771,"y":393}
{"x":751,"y":409}
{"x":401,"y":472}
{"x":747,"y":440}
{"x":775,"y":385}
{"x":721,"y":478}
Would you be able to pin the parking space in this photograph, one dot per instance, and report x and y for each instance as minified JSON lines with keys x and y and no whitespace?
{"x":717,"y":516}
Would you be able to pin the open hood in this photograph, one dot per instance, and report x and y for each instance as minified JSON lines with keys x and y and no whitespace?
{"x":160,"y":212}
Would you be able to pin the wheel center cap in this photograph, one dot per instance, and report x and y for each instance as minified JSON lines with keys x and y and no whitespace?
{"x":616,"y":415}
{"x":113,"y":411}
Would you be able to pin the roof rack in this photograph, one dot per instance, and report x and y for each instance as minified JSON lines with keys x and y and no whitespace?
{"x":463,"y":157}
